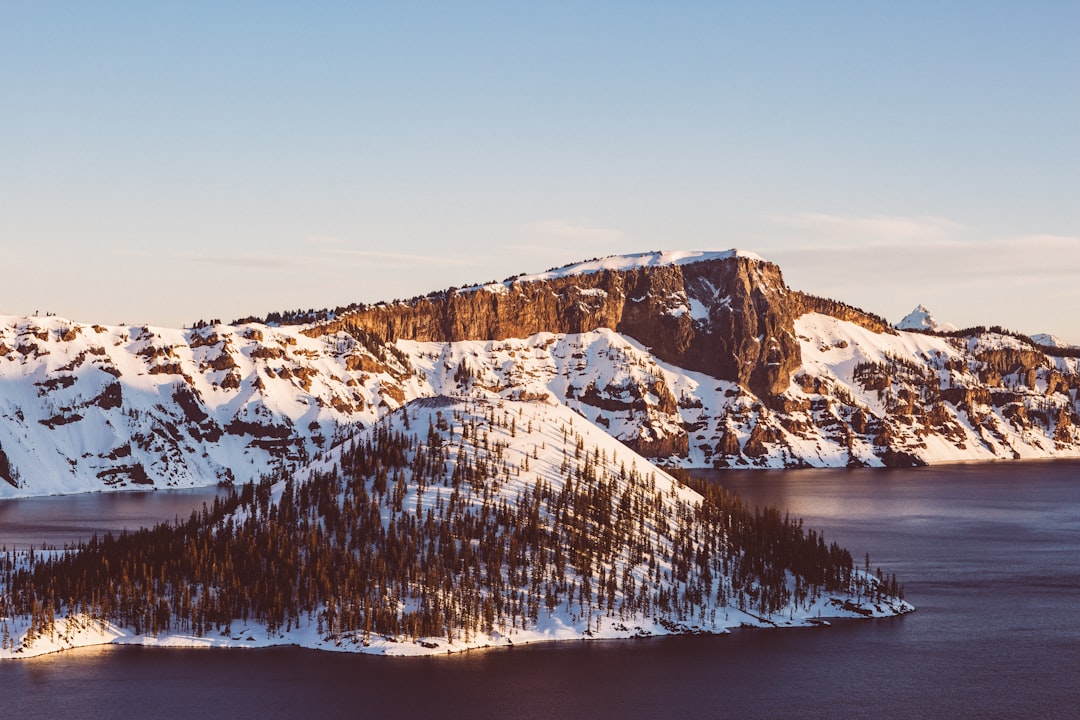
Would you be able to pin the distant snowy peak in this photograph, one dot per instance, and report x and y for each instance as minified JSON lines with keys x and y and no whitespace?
{"x":1048,"y":340}
{"x":917,"y":319}
{"x":619,"y":263}
{"x":921,"y":319}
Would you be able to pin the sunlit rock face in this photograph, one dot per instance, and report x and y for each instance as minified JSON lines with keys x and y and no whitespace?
{"x":727,"y":314}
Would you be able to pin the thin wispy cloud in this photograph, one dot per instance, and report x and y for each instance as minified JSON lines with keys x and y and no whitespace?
{"x":542,"y":250}
{"x":845,"y":230}
{"x":1047,"y":242}
{"x":406,"y":258}
{"x":577,"y":231}
{"x":556,"y":242}
{"x":324,"y":241}
{"x":967,"y":275}
{"x":134,"y":253}
{"x":249,"y":262}
{"x":928,"y":250}
{"x":1036,"y":255}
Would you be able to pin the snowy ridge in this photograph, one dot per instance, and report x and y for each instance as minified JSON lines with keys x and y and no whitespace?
{"x":939,"y":400}
{"x":1048,"y":340}
{"x":619,"y":263}
{"x":536,"y":453}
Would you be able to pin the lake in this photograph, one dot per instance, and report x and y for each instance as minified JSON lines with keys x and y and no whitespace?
{"x":68,"y":519}
{"x":989,"y":554}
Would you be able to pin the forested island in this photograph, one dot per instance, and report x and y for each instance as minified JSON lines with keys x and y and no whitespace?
{"x":450,"y":524}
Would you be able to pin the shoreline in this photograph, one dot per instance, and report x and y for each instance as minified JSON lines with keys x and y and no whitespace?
{"x":89,"y":633}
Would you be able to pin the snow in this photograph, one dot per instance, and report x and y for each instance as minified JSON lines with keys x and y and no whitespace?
{"x":921,"y":319}
{"x":83,"y":632}
{"x":617,"y":263}
{"x":60,"y":439}
{"x":698,"y":310}
{"x":57,"y":432}
{"x":1048,"y":340}
{"x":832,"y":349}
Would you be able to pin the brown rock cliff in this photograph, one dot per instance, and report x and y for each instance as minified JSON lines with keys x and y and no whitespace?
{"x":731,"y":318}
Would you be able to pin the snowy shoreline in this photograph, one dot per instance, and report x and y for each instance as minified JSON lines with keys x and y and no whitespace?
{"x":84,"y":632}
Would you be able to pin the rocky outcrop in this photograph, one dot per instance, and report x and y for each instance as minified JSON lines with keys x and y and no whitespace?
{"x":806,"y":303}
{"x":1004,"y":361}
{"x":6,"y":471}
{"x":655,"y":443}
{"x":731,"y":318}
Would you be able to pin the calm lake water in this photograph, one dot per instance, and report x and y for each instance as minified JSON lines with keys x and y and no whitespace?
{"x":990,"y":555}
{"x":69,"y":519}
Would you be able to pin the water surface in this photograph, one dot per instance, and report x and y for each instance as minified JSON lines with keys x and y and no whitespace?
{"x":990,"y":555}
{"x":57,"y":520}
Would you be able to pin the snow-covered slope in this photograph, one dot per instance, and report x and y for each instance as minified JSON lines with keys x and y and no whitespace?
{"x":89,"y":407}
{"x":925,"y":399}
{"x":859,"y":398}
{"x":1048,"y":340}
{"x":456,"y":524}
{"x":622,"y":263}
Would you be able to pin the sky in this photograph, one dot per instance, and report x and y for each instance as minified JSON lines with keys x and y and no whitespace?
{"x":168,"y":162}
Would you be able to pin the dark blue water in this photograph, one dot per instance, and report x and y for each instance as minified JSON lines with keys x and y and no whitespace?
{"x":990,"y":555}
{"x":69,"y":519}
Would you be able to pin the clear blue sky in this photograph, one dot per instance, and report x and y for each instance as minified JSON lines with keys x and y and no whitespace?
{"x":164,"y":162}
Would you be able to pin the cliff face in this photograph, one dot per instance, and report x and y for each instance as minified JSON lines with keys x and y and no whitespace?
{"x":730,"y":317}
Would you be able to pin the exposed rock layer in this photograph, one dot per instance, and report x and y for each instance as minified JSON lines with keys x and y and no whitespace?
{"x":730,"y":318}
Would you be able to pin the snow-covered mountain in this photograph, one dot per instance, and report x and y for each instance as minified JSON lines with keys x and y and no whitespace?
{"x":694,"y":359}
{"x":921,"y":319}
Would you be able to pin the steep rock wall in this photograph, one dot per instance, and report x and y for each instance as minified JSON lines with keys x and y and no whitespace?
{"x":730,"y":318}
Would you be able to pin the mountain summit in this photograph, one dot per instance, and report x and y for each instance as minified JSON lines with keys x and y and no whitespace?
{"x":921,"y":319}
